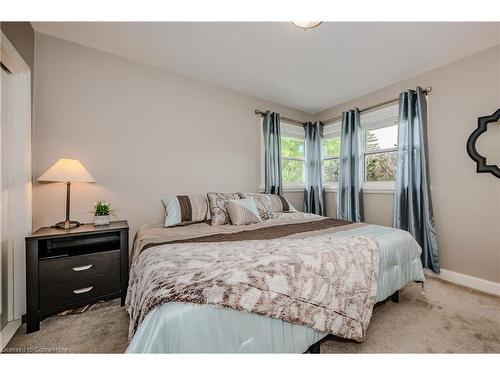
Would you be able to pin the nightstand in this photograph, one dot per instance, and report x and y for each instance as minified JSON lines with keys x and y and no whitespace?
{"x":67,"y":268}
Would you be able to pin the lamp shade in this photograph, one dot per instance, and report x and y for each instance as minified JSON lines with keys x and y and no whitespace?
{"x":67,"y":170}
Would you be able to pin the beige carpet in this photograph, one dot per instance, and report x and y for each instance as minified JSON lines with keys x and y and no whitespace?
{"x":448,"y":318}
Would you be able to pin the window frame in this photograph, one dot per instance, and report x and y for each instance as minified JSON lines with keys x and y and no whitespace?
{"x":376,"y":116}
{"x":289,"y":131}
{"x":376,"y":187}
{"x":377,"y":184}
{"x":337,"y":126}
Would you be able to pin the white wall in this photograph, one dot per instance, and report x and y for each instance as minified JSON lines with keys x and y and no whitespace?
{"x":466,"y":204}
{"x":142,"y":132}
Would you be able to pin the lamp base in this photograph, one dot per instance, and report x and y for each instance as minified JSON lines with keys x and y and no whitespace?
{"x":68,"y":224}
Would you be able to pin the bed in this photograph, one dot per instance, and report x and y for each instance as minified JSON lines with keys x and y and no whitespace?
{"x":168,"y":323}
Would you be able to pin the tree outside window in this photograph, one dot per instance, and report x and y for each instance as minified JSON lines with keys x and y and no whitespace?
{"x":293,"y":160}
{"x":380,"y":154}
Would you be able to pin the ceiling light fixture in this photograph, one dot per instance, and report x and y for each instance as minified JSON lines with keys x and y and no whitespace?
{"x":306,"y":25}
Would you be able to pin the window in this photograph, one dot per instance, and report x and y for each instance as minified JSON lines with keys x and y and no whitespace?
{"x":331,"y":153}
{"x":379,"y":138}
{"x":380,"y":143}
{"x":293,"y":157}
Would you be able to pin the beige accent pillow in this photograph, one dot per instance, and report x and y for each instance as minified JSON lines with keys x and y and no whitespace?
{"x":243,"y":211}
{"x":280,"y":204}
{"x":263,"y":204}
{"x":269,"y":204}
{"x":217,"y":205}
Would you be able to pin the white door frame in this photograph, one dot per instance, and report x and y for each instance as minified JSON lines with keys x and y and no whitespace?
{"x":20,"y":176}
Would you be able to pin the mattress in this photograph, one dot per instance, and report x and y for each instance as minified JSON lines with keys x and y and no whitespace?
{"x":191,"y":328}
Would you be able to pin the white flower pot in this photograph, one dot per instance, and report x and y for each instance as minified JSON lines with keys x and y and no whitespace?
{"x":101,"y":220}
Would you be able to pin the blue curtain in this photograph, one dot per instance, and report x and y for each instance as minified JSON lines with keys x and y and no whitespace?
{"x":350,"y":195}
{"x":413,"y":204}
{"x":313,"y":194}
{"x":272,"y":153}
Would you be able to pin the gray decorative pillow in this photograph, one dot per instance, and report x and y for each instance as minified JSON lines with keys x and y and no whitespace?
{"x":243,"y":211}
{"x":263,"y":203}
{"x":217,"y":205}
{"x":185,"y":209}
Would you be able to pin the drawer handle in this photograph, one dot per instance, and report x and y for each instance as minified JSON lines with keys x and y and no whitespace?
{"x":82,"y":268}
{"x":83,"y":290}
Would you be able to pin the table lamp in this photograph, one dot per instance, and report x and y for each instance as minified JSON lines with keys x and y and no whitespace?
{"x":68,"y":171}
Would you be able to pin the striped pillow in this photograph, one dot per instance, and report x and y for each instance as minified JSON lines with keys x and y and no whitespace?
{"x":243,"y":211}
{"x":263,"y":203}
{"x":280,"y":204}
{"x":269,"y":204}
{"x":185,"y":209}
{"x":218,"y":210}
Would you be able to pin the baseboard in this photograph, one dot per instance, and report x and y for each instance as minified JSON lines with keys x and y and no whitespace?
{"x":8,"y":331}
{"x":468,"y":281}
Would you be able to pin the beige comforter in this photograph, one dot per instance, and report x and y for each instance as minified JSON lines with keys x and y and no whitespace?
{"x":157,"y":234}
{"x":309,"y":278}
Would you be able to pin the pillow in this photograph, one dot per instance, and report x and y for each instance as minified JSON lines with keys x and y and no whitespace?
{"x":243,"y":211}
{"x":263,"y":203}
{"x":185,"y":209}
{"x":278,"y":203}
{"x":217,"y":204}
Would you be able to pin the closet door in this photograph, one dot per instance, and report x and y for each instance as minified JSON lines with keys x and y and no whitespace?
{"x":15,"y":180}
{"x":6,"y":258}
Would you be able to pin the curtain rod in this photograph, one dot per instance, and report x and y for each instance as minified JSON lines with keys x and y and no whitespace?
{"x":426,"y":91}
{"x":331,"y":120}
{"x":289,"y":120}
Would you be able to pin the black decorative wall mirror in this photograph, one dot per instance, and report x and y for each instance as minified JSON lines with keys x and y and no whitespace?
{"x":482,"y":165}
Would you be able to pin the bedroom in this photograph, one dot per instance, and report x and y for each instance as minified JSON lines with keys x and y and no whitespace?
{"x":307,"y":132}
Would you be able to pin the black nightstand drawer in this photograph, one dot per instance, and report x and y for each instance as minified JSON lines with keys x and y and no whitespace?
{"x":68,"y":268}
{"x":78,"y":267}
{"x":70,"y":292}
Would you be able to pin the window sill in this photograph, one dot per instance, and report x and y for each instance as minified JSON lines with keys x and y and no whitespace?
{"x":368,"y":188}
{"x":287,"y":189}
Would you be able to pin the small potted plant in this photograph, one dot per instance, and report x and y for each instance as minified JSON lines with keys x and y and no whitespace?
{"x":102,"y":212}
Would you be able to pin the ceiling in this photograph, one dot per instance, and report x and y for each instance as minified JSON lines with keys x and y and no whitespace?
{"x":308,"y":70}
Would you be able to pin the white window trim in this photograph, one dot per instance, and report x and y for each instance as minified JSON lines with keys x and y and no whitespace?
{"x":369,"y":187}
{"x":376,"y":186}
{"x":381,"y":151}
{"x":379,"y":187}
{"x":294,"y":186}
{"x":331,"y":185}
{"x":336,"y":126}
{"x":384,"y":184}
{"x":287,"y":187}
{"x":302,"y":160}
